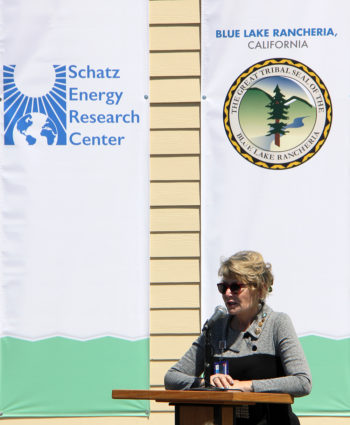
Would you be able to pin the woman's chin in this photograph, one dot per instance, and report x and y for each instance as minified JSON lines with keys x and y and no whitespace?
{"x":232,"y":309}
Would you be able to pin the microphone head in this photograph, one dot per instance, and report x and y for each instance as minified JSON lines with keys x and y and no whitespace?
{"x":222,"y":309}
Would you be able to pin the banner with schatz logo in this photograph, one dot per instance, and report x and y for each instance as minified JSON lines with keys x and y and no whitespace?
{"x":74,"y":207}
{"x":275,"y":169}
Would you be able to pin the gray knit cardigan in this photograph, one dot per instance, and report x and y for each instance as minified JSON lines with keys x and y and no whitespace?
{"x":275,"y":336}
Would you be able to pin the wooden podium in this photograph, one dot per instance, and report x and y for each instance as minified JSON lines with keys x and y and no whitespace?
{"x":204,"y":407}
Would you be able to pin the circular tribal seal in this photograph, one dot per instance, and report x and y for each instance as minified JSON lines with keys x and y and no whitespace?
{"x":277,"y":114}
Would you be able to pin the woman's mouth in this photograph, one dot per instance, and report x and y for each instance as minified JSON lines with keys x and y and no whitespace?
{"x":231,"y":303}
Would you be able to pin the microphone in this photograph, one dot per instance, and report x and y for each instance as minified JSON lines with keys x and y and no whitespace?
{"x":220,"y":311}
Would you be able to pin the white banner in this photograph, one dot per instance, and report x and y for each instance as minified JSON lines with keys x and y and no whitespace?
{"x":275,"y":168}
{"x":75,"y":178}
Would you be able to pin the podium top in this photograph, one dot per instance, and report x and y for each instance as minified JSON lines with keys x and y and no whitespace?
{"x":229,"y":397}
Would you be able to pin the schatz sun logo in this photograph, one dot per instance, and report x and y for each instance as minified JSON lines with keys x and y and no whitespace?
{"x":277,"y":114}
{"x":35,"y":108}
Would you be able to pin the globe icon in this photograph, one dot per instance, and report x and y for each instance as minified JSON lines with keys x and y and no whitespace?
{"x":35,"y":128}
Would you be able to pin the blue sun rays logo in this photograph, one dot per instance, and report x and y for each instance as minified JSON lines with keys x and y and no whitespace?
{"x":32,"y":120}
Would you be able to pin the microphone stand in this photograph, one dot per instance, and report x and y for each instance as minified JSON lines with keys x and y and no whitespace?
{"x":208,"y":353}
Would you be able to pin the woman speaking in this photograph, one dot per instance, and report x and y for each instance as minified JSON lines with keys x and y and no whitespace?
{"x":253,"y":348}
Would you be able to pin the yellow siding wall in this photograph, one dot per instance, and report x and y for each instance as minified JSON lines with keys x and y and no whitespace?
{"x":175,"y":202}
{"x":175,"y":188}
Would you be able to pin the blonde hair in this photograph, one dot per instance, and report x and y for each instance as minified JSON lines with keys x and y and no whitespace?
{"x":248,"y":267}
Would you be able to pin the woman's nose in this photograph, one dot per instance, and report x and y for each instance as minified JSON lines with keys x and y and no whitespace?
{"x":229,"y":291}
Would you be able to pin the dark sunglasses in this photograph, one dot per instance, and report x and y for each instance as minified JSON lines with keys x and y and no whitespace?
{"x":234,"y":287}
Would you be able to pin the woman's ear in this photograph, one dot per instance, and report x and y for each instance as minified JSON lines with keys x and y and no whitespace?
{"x":261,"y":294}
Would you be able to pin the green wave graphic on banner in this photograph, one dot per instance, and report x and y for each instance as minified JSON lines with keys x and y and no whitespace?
{"x":329,"y":360}
{"x":65,"y":377}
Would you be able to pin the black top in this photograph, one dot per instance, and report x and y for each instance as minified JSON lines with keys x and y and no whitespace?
{"x":261,"y":366}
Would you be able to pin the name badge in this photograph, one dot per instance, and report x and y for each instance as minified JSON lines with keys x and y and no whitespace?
{"x":221,"y":367}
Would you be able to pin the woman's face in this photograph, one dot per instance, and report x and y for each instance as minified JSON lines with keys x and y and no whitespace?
{"x":241,"y":303}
